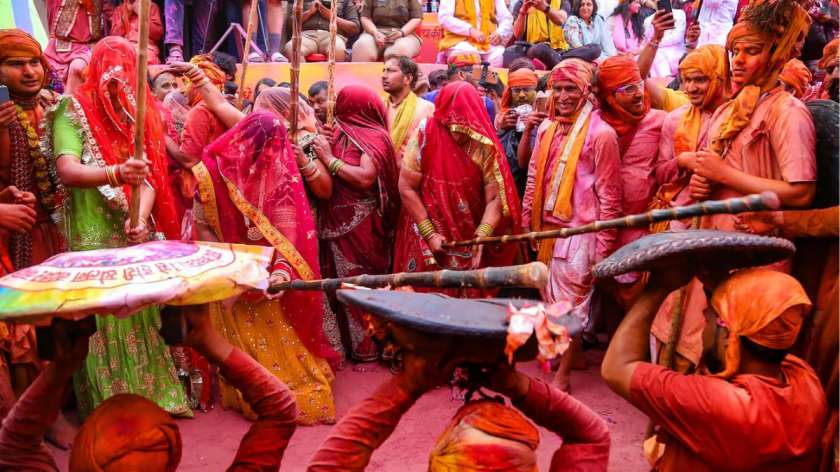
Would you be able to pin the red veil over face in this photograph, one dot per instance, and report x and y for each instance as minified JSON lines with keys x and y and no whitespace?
{"x":108,"y":100}
{"x":453,"y":185}
{"x":254,"y":174}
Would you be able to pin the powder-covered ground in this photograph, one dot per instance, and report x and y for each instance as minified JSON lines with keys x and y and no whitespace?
{"x":210,"y":440}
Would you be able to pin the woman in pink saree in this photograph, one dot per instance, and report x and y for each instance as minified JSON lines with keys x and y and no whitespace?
{"x":250,"y":191}
{"x":356,"y":225}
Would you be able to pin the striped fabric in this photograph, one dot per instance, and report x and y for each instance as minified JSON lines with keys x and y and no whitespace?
{"x":23,"y":14}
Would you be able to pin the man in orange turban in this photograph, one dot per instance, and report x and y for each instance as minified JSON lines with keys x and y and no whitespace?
{"x":517,"y":106}
{"x":625,"y":105}
{"x":763,"y":410}
{"x":23,"y":70}
{"x":828,"y":63}
{"x":573,"y":180}
{"x":129,"y":432}
{"x":462,"y":66}
{"x":483,"y":435}
{"x":796,"y":79}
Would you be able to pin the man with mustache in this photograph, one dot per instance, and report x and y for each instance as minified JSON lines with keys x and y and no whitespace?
{"x":405,"y":109}
{"x":625,"y":105}
{"x":573,"y":180}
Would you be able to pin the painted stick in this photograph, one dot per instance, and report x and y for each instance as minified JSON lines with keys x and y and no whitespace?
{"x":246,"y":50}
{"x":140,"y":99}
{"x":294,"y":69}
{"x":533,"y":275}
{"x":755,"y":202}
{"x":331,"y":64}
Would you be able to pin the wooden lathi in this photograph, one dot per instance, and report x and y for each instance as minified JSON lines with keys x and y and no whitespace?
{"x":533,"y":275}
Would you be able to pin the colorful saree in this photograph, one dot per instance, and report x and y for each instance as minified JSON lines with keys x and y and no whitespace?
{"x":250,"y":192}
{"x":452,"y":186}
{"x":356,"y":226}
{"x":126,"y":355}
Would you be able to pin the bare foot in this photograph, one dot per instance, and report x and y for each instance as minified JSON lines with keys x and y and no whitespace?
{"x":561,"y":381}
{"x":61,"y":433}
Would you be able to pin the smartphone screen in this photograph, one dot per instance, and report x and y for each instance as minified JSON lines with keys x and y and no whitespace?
{"x":4,"y":94}
{"x":541,"y":105}
{"x":663,"y":5}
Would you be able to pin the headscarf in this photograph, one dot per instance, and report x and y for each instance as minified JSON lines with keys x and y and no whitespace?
{"x":486,"y":435}
{"x":613,"y":73}
{"x":581,"y":72}
{"x":777,"y":25}
{"x":277,"y":101}
{"x":255,"y":175}
{"x":211,"y":70}
{"x":517,"y":79}
{"x":114,"y":61}
{"x":15,"y":42}
{"x":796,"y":75}
{"x":463,"y":59}
{"x":709,"y":60}
{"x":127,"y":432}
{"x":361,"y":115}
{"x":752,"y":303}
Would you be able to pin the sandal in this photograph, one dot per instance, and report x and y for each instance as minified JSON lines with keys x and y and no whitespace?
{"x":277,"y":57}
{"x":176,"y":54}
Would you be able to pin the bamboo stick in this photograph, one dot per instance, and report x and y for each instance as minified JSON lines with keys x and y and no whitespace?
{"x":755,"y":202}
{"x":331,"y":64}
{"x":294,"y":70}
{"x":252,"y":24}
{"x":140,"y":98}
{"x":533,"y":275}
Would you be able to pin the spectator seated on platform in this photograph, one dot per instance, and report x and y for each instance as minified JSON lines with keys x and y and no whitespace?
{"x":463,"y":67}
{"x":125,"y":22}
{"x":315,"y":28}
{"x":586,"y":26}
{"x":465,"y":31}
{"x":538,"y":28}
{"x":389,"y":30}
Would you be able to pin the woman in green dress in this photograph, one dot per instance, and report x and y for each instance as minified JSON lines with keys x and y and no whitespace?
{"x":91,"y":138}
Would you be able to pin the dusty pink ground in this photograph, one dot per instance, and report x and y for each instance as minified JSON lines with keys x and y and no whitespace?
{"x":210,"y":440}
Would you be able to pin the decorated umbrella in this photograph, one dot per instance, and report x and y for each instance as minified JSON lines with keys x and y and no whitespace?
{"x":122,"y":281}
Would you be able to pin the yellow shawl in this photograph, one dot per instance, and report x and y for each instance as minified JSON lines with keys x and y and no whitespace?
{"x":539,"y":29}
{"x":403,"y":120}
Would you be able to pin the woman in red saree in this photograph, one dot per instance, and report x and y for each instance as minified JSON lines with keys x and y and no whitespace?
{"x":356,"y":224}
{"x":455,"y":184}
{"x":250,"y":192}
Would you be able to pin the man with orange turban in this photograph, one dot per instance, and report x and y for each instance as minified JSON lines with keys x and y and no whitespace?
{"x":23,"y":167}
{"x":573,"y":180}
{"x":483,"y":435}
{"x":462,"y":66}
{"x":129,"y":432}
{"x":828,"y":63}
{"x":517,"y":106}
{"x":763,"y":409}
{"x":796,"y":80}
{"x":625,"y":105}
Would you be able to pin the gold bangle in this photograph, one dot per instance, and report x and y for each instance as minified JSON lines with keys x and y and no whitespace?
{"x":426,"y":228}
{"x":335,"y":165}
{"x":111,"y":176}
{"x":313,"y":176}
{"x":484,"y":229}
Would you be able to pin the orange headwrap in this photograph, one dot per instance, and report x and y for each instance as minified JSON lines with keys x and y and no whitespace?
{"x":777,"y":25}
{"x":486,"y":435}
{"x":796,"y":75}
{"x":752,"y":303}
{"x":127,"y":432}
{"x":18,"y":43}
{"x":463,"y":59}
{"x":829,"y":57}
{"x":709,"y":60}
{"x":211,"y":70}
{"x":578,"y":71}
{"x":518,"y":79}
{"x":613,"y":73}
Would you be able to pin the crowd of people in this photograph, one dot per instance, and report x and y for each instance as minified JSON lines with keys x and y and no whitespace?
{"x":389,"y":182}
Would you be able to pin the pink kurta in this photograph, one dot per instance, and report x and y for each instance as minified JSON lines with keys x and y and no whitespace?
{"x":596,"y":195}
{"x":778,"y":143}
{"x":73,"y":32}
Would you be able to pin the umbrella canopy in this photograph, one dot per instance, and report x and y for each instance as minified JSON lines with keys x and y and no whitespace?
{"x":121,"y":281}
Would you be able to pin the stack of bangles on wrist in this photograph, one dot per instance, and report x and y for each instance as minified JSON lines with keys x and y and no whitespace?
{"x":484,"y":230}
{"x":335,"y":165}
{"x":426,"y":228}
{"x":112,"y":175}
{"x":310,"y":171}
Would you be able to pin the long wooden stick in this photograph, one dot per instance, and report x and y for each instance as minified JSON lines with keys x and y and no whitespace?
{"x":755,"y":202}
{"x":294,"y":70}
{"x":252,"y":24}
{"x":140,"y":98}
{"x":533,"y":275}
{"x":331,"y":64}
